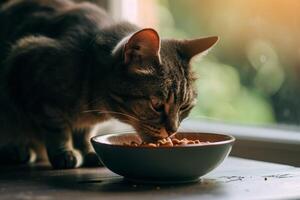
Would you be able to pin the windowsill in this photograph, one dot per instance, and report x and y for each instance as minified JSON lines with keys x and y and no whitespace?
{"x":274,"y":144}
{"x":248,"y":132}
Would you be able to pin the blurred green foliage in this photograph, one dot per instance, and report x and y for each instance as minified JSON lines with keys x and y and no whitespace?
{"x":230,"y":89}
{"x":223,"y":97}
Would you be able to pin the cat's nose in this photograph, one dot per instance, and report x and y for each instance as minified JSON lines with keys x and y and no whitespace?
{"x":172,"y":123}
{"x":172,"y":128}
{"x":171,"y":131}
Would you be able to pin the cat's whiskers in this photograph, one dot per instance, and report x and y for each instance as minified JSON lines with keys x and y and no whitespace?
{"x":111,"y":112}
{"x":99,"y":132}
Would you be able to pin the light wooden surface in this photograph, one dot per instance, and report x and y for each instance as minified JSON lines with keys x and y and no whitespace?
{"x":234,"y":179}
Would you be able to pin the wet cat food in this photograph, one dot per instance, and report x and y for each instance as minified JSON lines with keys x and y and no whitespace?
{"x":167,"y":142}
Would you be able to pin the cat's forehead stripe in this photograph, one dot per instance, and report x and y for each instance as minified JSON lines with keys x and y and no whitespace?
{"x":169,"y":102}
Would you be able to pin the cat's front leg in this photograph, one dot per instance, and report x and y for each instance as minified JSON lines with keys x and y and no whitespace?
{"x":82,"y":138}
{"x":59,"y":141}
{"x":60,"y":149}
{"x":16,"y":154}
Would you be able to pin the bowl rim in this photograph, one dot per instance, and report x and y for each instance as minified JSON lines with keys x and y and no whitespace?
{"x":231,"y":139}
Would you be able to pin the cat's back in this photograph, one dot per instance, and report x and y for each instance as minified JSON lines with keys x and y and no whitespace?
{"x":51,"y":18}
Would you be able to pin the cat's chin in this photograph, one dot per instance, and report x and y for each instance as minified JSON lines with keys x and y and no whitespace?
{"x":149,"y":137}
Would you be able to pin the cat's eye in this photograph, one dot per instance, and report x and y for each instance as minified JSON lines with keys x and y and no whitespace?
{"x":157,"y":105}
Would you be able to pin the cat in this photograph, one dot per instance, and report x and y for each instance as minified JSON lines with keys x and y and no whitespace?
{"x":67,"y":66}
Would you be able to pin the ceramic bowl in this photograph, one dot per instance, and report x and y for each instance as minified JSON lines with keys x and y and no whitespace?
{"x":177,"y":164}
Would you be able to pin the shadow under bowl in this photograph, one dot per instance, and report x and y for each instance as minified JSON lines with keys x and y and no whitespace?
{"x":177,"y":164}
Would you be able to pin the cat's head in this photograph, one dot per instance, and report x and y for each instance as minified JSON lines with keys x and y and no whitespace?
{"x":154,"y":84}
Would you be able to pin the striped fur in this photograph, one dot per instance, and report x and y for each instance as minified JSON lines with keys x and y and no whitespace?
{"x":62,"y":71}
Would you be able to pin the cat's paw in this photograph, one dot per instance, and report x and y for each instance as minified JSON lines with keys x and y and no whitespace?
{"x":91,"y":160}
{"x":14,"y":155}
{"x":66,"y":160}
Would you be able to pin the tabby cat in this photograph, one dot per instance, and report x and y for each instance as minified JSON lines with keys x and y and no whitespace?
{"x":65,"y":66}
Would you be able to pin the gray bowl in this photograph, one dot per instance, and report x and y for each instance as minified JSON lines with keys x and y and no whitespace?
{"x":176,"y":164}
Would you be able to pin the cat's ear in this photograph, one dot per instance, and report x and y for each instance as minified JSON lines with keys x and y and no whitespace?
{"x":142,"y":45}
{"x":191,"y":48}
